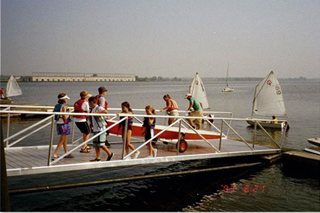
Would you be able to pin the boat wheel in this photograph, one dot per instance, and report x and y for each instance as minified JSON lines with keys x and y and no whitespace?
{"x":183,"y":146}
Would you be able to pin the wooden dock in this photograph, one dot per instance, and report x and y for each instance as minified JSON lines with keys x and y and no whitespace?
{"x":33,"y":160}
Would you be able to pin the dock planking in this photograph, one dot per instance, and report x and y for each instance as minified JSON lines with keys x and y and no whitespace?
{"x":29,"y":157}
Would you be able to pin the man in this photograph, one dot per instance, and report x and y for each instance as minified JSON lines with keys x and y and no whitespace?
{"x":197,"y":111}
{"x":101,"y":101}
{"x":82,"y":105}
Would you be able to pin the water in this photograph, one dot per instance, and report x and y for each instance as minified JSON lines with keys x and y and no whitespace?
{"x":283,"y":191}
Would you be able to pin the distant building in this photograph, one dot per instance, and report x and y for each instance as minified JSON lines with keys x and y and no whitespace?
{"x":56,"y":76}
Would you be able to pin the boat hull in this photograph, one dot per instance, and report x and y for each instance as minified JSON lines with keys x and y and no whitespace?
{"x":314,"y":141}
{"x":172,"y":133}
{"x":266,"y":124}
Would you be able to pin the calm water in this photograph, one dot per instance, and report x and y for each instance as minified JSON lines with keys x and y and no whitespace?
{"x":283,"y":191}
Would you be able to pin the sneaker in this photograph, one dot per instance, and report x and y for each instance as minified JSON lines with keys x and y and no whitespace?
{"x":95,"y":160}
{"x":128,"y":158}
{"x":109,"y":157}
{"x":155,"y":153}
{"x":136,"y":155}
{"x":150,"y":156}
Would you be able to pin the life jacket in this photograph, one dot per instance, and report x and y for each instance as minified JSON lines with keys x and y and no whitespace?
{"x":78,"y":108}
{"x":105,"y":105}
{"x":57,"y":108}
{"x":174,"y":105}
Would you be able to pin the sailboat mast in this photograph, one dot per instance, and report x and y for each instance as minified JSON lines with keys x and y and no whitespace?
{"x":227,"y":74}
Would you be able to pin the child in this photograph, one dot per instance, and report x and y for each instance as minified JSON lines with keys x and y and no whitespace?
{"x":63,"y":126}
{"x":82,"y":105}
{"x":101,"y":101}
{"x":126,"y":109}
{"x":149,"y":124}
{"x":98,"y":126}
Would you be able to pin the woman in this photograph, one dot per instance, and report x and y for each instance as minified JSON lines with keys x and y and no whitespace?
{"x":125,"y":106}
{"x":172,"y":108}
{"x":63,"y":126}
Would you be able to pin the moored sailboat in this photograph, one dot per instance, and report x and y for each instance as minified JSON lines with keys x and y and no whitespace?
{"x":13,"y":89}
{"x":268,"y":101}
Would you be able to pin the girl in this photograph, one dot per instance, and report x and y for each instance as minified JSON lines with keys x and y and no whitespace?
{"x":149,"y":124}
{"x":127,"y":110}
{"x":63,"y":126}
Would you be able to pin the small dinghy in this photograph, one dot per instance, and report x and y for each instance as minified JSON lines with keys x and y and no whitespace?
{"x":268,"y":101}
{"x":13,"y":89}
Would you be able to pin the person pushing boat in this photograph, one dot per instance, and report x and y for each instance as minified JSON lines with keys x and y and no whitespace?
{"x":197,"y":111}
{"x":171,"y":108}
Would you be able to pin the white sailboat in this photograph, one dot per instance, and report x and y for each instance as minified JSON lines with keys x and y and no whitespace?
{"x":268,"y":101}
{"x":13,"y":89}
{"x":227,"y":88}
{"x":198,"y":91}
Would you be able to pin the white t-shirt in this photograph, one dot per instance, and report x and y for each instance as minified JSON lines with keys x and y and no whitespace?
{"x":96,"y":128}
{"x":85,"y":107}
{"x":101,"y":101}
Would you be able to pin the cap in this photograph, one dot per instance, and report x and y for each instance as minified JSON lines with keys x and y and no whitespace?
{"x":187,"y":95}
{"x":102,"y":89}
{"x":85,"y":94}
{"x":64,"y":97}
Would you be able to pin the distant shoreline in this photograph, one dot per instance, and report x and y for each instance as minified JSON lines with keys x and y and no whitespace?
{"x":4,"y":78}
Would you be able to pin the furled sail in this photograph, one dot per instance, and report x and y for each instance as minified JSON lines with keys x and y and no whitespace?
{"x":268,"y":99}
{"x":198,"y":91}
{"x":13,"y":88}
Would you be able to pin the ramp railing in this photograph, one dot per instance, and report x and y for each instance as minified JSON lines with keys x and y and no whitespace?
{"x":180,"y":119}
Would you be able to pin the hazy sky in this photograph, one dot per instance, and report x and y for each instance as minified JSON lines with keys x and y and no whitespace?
{"x":162,"y":37}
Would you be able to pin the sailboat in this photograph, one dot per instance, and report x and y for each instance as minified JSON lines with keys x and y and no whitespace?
{"x":227,"y":88}
{"x":13,"y":89}
{"x":268,"y":101}
{"x":198,"y":91}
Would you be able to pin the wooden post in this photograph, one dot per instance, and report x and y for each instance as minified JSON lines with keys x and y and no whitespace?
{"x":5,"y":201}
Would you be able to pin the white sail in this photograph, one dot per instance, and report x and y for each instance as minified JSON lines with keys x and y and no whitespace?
{"x":268,"y":99}
{"x":227,"y":88}
{"x":13,"y":88}
{"x":198,"y":91}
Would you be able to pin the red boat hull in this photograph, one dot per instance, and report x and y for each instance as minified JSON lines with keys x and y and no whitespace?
{"x":172,"y":133}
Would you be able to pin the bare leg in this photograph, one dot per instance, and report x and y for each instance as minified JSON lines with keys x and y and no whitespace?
{"x":65,"y":147}
{"x":190,"y":122}
{"x":97,"y":152}
{"x":106,"y":150}
{"x":128,"y":144}
{"x":55,"y":155}
{"x":151,"y":150}
{"x":85,"y":137}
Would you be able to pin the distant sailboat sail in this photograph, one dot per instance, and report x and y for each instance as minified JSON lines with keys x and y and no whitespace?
{"x":268,"y":99}
{"x":198,"y":91}
{"x":227,"y":88}
{"x":13,"y":88}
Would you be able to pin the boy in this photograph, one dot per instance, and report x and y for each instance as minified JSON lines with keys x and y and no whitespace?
{"x":82,"y":105}
{"x":101,"y":101}
{"x":98,"y":125}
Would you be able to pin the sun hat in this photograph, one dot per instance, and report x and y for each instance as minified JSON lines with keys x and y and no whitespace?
{"x":187,"y":95}
{"x":64,"y":97}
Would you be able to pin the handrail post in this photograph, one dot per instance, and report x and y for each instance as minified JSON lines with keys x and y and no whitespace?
{"x":220,"y":135}
{"x":8,"y":128}
{"x":51,"y":141}
{"x":72,"y":131}
{"x":179,"y":137}
{"x":124,"y":137}
{"x":254,"y":133}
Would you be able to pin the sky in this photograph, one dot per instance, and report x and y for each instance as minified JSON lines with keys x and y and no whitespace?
{"x":169,"y":38}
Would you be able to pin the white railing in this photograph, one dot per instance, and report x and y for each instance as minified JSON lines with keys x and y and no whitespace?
{"x":180,"y":119}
